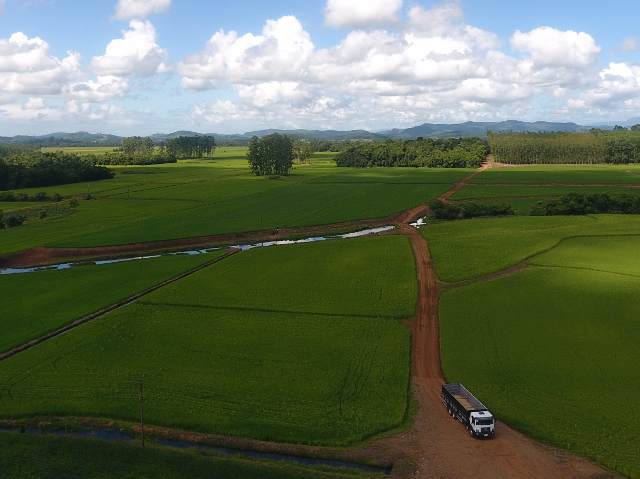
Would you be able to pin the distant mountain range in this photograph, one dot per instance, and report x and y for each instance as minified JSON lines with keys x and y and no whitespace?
{"x":468,"y":129}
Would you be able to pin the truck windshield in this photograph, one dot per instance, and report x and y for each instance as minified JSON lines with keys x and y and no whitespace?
{"x":484,"y":422}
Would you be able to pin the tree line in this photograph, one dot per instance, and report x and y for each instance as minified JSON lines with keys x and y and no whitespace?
{"x":619,"y":146}
{"x":422,"y":152}
{"x":35,"y":169}
{"x":467,"y":209}
{"x":579,"y":204}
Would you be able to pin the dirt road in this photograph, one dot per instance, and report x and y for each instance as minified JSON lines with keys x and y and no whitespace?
{"x":444,"y":447}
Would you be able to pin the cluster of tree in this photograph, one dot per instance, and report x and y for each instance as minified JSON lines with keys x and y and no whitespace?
{"x":190,"y":146}
{"x":11,"y":221}
{"x":135,"y":145}
{"x":303,"y":150}
{"x":423,"y":152}
{"x":579,"y":204}
{"x":7,"y":150}
{"x":123,"y":159}
{"x":48,"y":169}
{"x":467,"y":209}
{"x":10,"y":196}
{"x":271,"y":155}
{"x":595,"y":146}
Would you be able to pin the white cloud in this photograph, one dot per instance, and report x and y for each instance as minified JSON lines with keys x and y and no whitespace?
{"x":555,"y":48}
{"x":127,"y":9}
{"x":136,"y":54}
{"x":629,"y":44}
{"x":281,"y":52}
{"x":361,"y":13}
{"x":27,"y":68}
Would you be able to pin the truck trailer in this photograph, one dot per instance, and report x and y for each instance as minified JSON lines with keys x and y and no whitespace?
{"x":463,"y":406}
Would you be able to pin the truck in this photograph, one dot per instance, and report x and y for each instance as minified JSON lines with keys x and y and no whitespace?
{"x":463,"y":406}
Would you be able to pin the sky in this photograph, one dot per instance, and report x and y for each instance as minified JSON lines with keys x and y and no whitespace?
{"x":138,"y":67}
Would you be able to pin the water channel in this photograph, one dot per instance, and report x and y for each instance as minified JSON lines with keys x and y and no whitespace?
{"x":123,"y":436}
{"x":245,"y":247}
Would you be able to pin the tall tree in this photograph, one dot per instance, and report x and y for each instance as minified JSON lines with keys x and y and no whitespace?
{"x":270,"y":155}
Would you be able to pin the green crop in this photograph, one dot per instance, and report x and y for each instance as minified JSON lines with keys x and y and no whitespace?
{"x":544,"y":174}
{"x":34,"y":304}
{"x":552,"y":350}
{"x":466,"y":249}
{"x":321,"y":367}
{"x":496,"y":191}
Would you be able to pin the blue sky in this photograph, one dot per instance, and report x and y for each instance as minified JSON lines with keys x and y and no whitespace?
{"x":136,"y":67}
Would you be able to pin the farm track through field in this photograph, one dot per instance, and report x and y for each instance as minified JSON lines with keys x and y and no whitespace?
{"x":436,"y":446}
{"x":445,"y":197}
{"x":443,"y":448}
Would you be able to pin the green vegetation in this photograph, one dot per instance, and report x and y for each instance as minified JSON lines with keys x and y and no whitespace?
{"x":34,"y":304}
{"x":554,"y":347}
{"x":466,"y":249}
{"x":270,"y":155}
{"x":545,"y":174}
{"x":577,"y":204}
{"x":463,"y":210}
{"x":308,"y":372}
{"x":190,"y":146}
{"x":46,"y":457}
{"x":429,"y":152}
{"x":47,"y":169}
{"x":597,"y":146}
{"x":518,"y":191}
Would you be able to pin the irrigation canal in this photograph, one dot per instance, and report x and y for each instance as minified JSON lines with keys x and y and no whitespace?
{"x":246,"y":247}
{"x":123,"y":436}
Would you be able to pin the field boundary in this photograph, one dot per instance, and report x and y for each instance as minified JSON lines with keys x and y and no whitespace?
{"x":102,"y":312}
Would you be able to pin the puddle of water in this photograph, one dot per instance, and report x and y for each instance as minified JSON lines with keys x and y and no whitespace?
{"x":122,"y":436}
{"x":246,"y":247}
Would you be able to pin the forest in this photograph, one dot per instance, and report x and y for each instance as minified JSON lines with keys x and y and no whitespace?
{"x":422,"y":152}
{"x":35,"y":169}
{"x":620,"y":146}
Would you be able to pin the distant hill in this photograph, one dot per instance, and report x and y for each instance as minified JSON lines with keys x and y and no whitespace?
{"x":434,"y":130}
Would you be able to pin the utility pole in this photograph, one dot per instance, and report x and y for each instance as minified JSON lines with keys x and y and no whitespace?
{"x":140,"y":382}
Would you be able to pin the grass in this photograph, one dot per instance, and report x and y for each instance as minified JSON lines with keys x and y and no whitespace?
{"x":552,"y":350}
{"x":482,"y":191}
{"x":46,"y":457}
{"x":34,"y":304}
{"x":545,"y":174}
{"x":224,"y":366}
{"x":469,"y":248}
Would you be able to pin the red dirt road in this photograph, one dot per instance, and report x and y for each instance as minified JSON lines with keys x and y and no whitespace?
{"x":443,"y":444}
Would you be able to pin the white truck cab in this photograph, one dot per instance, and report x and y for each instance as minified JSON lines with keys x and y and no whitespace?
{"x":482,"y":424}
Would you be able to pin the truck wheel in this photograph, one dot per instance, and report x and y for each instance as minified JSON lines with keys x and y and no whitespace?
{"x":471,"y":432}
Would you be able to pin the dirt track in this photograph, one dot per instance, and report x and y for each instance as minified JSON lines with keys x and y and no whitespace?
{"x":444,"y":446}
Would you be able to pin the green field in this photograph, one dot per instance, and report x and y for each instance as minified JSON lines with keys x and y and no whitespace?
{"x":554,"y":347}
{"x":308,"y":371}
{"x":34,"y":304}
{"x":45,"y":457}
{"x":466,"y":249}
{"x":566,"y":174}
{"x":481,"y":191}
{"x":220,"y":195}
